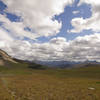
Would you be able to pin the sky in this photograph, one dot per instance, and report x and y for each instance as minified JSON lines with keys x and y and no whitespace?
{"x":65,"y":30}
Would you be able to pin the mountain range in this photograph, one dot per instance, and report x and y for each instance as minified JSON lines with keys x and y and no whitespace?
{"x":5,"y":59}
{"x":67,"y":64}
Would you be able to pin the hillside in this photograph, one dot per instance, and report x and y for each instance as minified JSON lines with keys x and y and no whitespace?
{"x":4,"y":58}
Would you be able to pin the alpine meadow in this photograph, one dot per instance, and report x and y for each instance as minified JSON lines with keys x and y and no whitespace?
{"x":49,"y":50}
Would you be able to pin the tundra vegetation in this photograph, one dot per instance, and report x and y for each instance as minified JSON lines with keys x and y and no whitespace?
{"x":21,"y":81}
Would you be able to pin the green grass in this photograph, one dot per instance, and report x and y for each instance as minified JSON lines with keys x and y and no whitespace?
{"x":19,"y":82}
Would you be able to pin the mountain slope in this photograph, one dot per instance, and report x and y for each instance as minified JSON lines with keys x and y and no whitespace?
{"x":8,"y":62}
{"x":4,"y":57}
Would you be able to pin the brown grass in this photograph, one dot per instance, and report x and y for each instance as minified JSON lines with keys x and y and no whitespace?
{"x":48,"y":87}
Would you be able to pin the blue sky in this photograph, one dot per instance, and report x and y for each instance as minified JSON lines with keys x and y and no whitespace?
{"x":84,"y":11}
{"x":55,"y":30}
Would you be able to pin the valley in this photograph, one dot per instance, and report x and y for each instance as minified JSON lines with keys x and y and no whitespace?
{"x":23,"y":83}
{"x":23,"y":80}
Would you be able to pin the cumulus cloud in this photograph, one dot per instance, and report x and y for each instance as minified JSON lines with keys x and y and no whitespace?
{"x":38,"y":51}
{"x":37,"y":15}
{"x":83,"y":48}
{"x":39,"y":19}
{"x":76,"y":12}
{"x":79,"y":49}
{"x":58,"y":40}
{"x":4,"y":36}
{"x":16,"y":29}
{"x":92,"y":23}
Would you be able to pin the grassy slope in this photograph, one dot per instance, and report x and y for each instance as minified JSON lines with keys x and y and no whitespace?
{"x":23,"y":83}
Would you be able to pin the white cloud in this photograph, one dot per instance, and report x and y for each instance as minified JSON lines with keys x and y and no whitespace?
{"x":16,"y":29}
{"x":79,"y":49}
{"x":76,"y":12}
{"x":4,"y":35}
{"x":58,"y":40}
{"x":83,"y":48}
{"x":79,"y":24}
{"x":5,"y":39}
{"x":93,"y":22}
{"x":93,"y":2}
{"x":37,"y":15}
{"x":39,"y":18}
